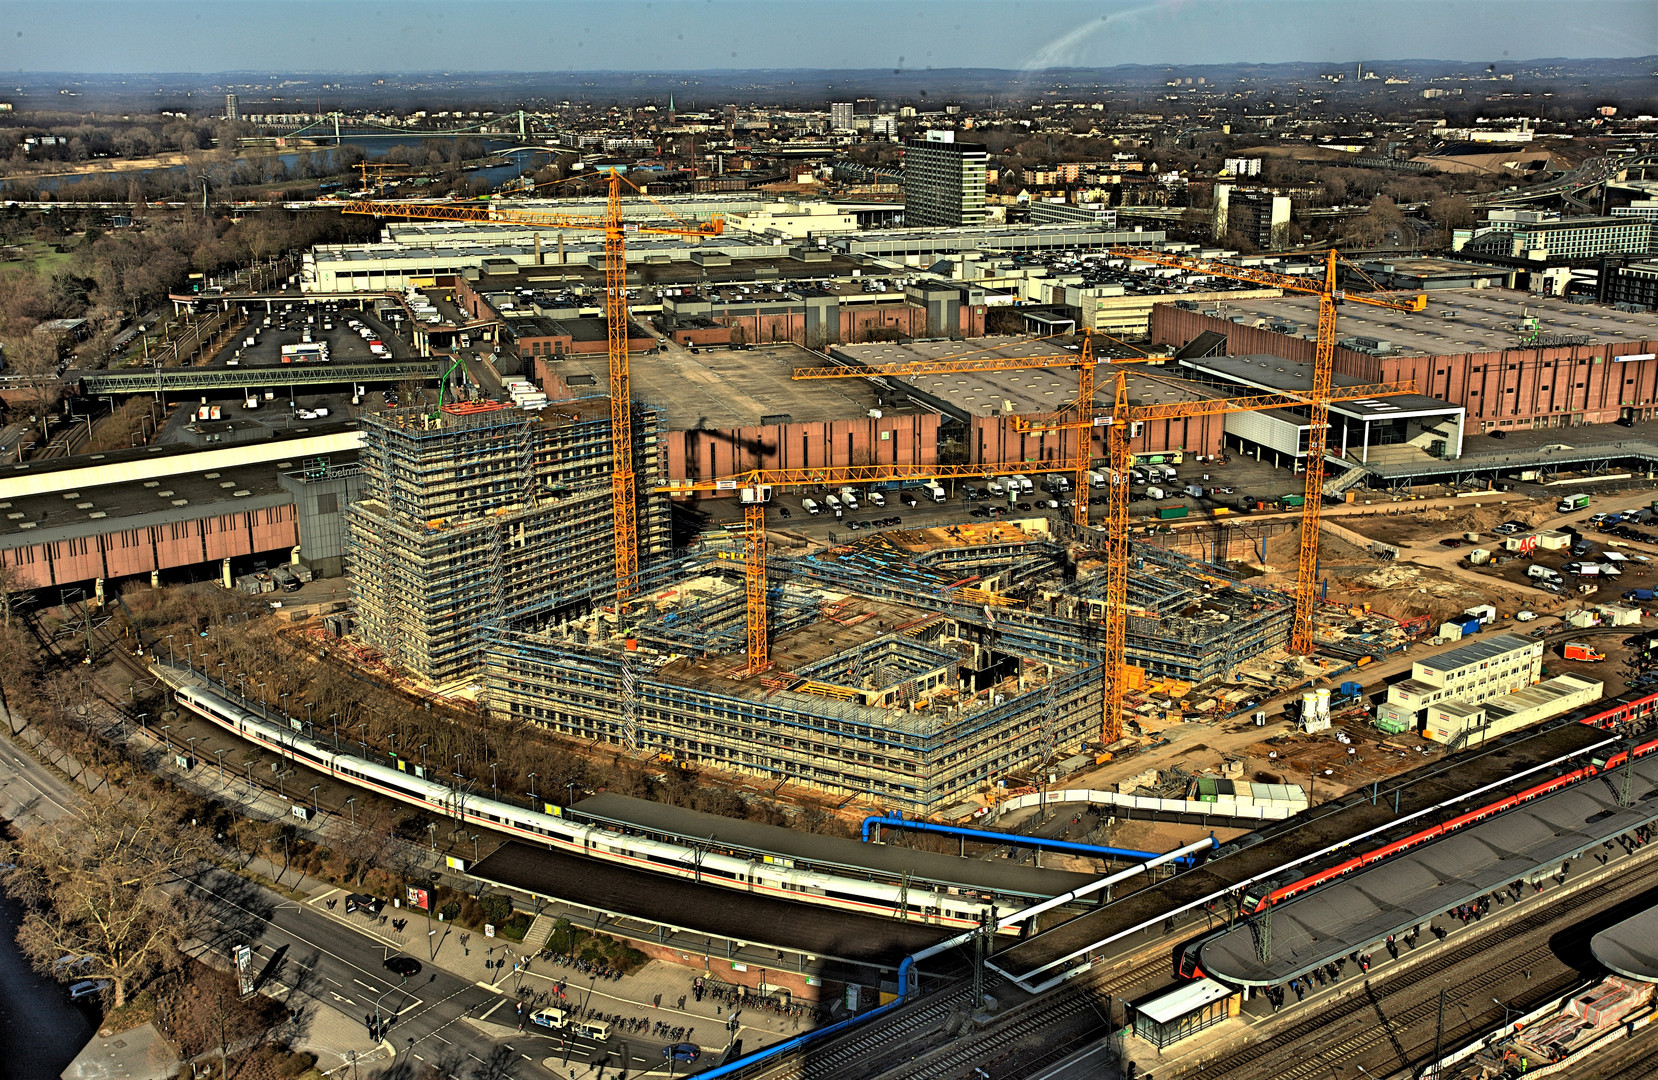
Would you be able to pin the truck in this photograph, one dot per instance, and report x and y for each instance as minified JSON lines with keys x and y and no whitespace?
{"x":876,"y":499}
{"x":1485,"y":613}
{"x":1579,"y":650}
{"x":1024,"y":482}
{"x":1641,"y":594}
{"x":1479,"y":557}
{"x":1166,"y":513}
{"x":1537,"y":572}
{"x":811,"y":506}
{"x":1292,"y":502}
{"x":1096,"y":479}
{"x":1571,"y":503}
{"x":935,"y":491}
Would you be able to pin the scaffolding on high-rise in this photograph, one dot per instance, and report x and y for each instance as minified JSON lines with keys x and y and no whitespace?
{"x":482,"y":516}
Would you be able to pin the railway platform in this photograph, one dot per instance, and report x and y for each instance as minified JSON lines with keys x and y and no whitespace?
{"x":1509,"y":859}
{"x":719,"y":923}
{"x":1630,"y":948}
{"x":1198,"y":899}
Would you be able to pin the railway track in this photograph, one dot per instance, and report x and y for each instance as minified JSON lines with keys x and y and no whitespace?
{"x":1346,"y":1029}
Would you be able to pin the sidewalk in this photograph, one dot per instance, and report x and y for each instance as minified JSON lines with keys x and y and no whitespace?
{"x":523,"y":976}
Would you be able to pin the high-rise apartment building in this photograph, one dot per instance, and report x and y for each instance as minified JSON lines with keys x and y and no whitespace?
{"x":473,"y":516}
{"x":840,"y":115}
{"x":944,"y":181}
{"x":232,"y":109}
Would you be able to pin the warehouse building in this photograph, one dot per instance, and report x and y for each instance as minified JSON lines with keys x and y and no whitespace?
{"x":1511,"y":360}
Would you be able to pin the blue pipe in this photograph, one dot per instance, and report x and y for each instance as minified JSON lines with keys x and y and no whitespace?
{"x":811,"y":1036}
{"x":1017,"y":839}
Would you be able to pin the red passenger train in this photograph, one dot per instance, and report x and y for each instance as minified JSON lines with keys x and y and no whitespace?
{"x":1604,"y":715}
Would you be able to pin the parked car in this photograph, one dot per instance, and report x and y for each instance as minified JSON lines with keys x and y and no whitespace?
{"x":87,"y":988}
{"x":1452,"y":542}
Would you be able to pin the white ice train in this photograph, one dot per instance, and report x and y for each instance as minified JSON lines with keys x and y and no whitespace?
{"x":892,"y":900}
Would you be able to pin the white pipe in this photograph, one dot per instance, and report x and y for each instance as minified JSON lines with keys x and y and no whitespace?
{"x":1026,"y":914}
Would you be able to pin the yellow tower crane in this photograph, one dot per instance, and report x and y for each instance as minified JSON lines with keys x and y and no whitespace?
{"x":1120,"y":427}
{"x":623,"y":484}
{"x":756,"y":487}
{"x":1082,"y":459}
{"x":1318,"y":397}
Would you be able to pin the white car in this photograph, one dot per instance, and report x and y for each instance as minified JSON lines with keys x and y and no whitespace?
{"x":87,"y":988}
{"x":1525,"y":616}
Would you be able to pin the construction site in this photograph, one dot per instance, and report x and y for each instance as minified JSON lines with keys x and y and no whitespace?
{"x":918,"y":668}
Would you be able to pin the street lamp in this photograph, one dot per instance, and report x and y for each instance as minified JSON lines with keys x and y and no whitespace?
{"x":1505,"y":1008}
{"x":191,"y":753}
{"x":351,"y":801}
{"x":221,"y":672}
{"x":474,"y":849}
{"x":532,"y":791}
{"x":282,"y":703}
{"x":221,"y":757}
{"x":334,"y":716}
{"x":314,"y":807}
{"x":169,"y":650}
{"x":190,"y":655}
{"x":492,"y":781}
{"x":432,"y":827}
{"x":242,"y":682}
{"x":264,"y":707}
{"x":164,"y":741}
{"x":567,"y":792}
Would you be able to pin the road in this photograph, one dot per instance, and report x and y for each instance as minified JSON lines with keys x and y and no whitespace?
{"x":313,"y":961}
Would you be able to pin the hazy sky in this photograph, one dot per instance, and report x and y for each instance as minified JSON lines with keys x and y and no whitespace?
{"x":681,"y":35}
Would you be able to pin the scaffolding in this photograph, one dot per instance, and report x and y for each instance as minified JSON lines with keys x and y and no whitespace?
{"x":892,"y":683}
{"x":483,"y":517}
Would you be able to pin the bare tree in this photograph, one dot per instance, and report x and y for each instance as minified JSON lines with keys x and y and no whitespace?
{"x":95,"y":887}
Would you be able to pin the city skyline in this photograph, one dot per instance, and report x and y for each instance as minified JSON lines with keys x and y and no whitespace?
{"x":146,"y":37}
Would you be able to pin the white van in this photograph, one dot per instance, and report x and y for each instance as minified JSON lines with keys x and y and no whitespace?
{"x":876,"y":498}
{"x":597,"y":1030}
{"x":811,"y":507}
{"x":832,"y":502}
{"x":997,"y":488}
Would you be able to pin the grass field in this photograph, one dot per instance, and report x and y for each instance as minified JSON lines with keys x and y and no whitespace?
{"x":40,"y":258}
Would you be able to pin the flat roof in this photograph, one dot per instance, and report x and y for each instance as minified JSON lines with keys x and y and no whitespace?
{"x":724,"y":388}
{"x":1480,"y":650}
{"x":1275,"y":374}
{"x":1358,"y":911}
{"x":998,"y":875}
{"x":1484,"y":320}
{"x":1181,"y":1000}
{"x":1630,"y":948}
{"x":181,"y":496}
{"x":986,"y":393}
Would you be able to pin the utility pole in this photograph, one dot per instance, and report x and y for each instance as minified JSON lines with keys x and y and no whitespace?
{"x":1439,"y":1033}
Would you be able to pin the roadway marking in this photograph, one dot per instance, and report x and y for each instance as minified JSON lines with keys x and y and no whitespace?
{"x":365,"y":985}
{"x":492,"y":1008}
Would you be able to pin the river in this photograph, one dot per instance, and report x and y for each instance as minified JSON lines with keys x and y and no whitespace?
{"x":40,"y":1030}
{"x":373,"y":147}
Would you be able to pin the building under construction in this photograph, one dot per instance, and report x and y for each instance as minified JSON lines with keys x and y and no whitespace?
{"x":914,"y":668}
{"x":477,"y":514}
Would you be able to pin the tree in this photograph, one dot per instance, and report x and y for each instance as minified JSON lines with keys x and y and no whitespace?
{"x":94,"y":886}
